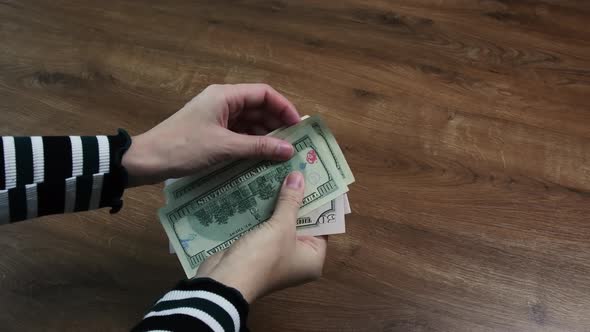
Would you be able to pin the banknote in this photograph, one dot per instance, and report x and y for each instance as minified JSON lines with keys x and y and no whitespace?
{"x":303,"y":220}
{"x":324,"y":137}
{"x":347,"y":209}
{"x":320,"y":128}
{"x":301,"y":135}
{"x":219,"y":207}
{"x":325,"y":220}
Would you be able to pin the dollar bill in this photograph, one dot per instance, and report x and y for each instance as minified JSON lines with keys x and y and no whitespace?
{"x":347,"y":209}
{"x":324,"y":137}
{"x":325,"y":220}
{"x":211,"y":211}
{"x":328,"y":140}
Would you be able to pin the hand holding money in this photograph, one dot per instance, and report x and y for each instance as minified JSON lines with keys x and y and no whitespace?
{"x":272,"y":256}
{"x":207,"y":212}
{"x":223,"y":122}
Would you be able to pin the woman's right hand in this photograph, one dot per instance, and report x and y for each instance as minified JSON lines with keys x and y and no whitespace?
{"x":223,"y":122}
{"x":271,"y":257}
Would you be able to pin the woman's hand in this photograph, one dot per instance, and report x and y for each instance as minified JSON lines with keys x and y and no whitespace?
{"x":223,"y":122}
{"x":271,"y":257}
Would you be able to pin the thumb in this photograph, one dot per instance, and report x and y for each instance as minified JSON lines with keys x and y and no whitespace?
{"x":289,"y":200}
{"x":260,"y":147}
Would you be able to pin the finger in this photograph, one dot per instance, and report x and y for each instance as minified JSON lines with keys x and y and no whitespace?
{"x":322,"y":238}
{"x":261,"y":96}
{"x":259,"y":116}
{"x":240,"y":128}
{"x":252,"y":116}
{"x":256,"y":129}
{"x":289,"y":201}
{"x":271,"y":123}
{"x":259,"y":147}
{"x":248,"y":127}
{"x":315,"y":242}
{"x":309,"y":256}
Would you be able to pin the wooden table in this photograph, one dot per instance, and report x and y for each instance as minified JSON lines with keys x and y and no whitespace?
{"x":466,"y":124}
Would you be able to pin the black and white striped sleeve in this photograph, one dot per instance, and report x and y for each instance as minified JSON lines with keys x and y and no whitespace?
{"x":60,"y":174}
{"x":201,"y":304}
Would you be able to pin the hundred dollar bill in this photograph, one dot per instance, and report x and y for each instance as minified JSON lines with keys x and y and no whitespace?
{"x":328,"y":139}
{"x":183,"y":188}
{"x":311,"y":158}
{"x":223,"y":205}
{"x":325,"y":220}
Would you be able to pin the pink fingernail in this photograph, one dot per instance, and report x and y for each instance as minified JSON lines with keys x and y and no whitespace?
{"x":294,"y":180}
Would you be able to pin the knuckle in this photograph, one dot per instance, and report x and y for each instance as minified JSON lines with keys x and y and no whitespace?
{"x":214,"y":90}
{"x":290,"y":199}
{"x":268,"y":225}
{"x":223,"y":153}
{"x":261,"y":146}
{"x":275,"y":228}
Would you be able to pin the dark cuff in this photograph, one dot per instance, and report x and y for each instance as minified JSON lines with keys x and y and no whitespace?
{"x":116,"y":182}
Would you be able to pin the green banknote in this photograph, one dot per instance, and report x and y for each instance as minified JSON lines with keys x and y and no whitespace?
{"x":208,"y":212}
{"x":179,"y":191}
{"x":328,"y":140}
{"x":313,"y":125}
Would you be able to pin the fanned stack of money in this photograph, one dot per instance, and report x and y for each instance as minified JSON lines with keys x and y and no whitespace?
{"x":207,"y":212}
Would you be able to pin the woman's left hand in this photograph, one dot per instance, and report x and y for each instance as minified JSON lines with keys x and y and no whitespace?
{"x":223,"y":122}
{"x":272,"y":256}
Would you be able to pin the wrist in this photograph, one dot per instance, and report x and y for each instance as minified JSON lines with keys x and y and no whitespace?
{"x":247,"y":290}
{"x":229,"y":294}
{"x":142,"y":164}
{"x":231,"y":275}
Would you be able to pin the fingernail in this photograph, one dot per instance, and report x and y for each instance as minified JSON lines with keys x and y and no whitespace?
{"x":284,"y":150}
{"x":294,"y":180}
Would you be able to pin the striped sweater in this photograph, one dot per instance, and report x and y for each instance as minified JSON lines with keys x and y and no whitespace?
{"x":60,"y":174}
{"x":200,"y":304}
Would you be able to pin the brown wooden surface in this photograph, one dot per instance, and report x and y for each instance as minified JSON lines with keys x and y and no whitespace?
{"x":466,"y":123}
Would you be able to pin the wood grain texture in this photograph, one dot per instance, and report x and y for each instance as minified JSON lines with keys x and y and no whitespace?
{"x":466,"y":123}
